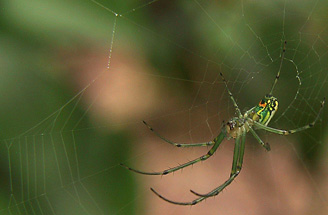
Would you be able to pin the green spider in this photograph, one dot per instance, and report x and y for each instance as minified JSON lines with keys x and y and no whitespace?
{"x":236,"y":128}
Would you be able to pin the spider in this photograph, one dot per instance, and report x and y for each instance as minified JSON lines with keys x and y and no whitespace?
{"x":236,"y":128}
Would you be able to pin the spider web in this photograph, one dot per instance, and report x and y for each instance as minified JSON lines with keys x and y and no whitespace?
{"x":80,"y":76}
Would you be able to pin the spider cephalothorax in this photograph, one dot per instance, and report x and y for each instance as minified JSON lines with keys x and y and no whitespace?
{"x":257,"y":117}
{"x":234,"y":127}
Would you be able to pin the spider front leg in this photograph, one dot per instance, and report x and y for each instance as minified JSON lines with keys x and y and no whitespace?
{"x":194,"y":202}
{"x":237,"y":163}
{"x":217,"y":141}
{"x":231,"y":96}
{"x":236,"y":168}
{"x":178,"y":144}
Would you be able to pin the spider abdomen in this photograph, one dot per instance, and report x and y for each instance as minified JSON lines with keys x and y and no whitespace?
{"x":265,"y":110}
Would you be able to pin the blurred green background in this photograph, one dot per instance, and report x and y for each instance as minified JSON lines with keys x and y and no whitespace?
{"x":78,"y":77}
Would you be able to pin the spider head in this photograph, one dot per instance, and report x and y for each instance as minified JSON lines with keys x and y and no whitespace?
{"x":265,"y":110}
{"x":234,"y":127}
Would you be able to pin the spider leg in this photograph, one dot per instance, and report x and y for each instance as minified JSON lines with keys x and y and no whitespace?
{"x":237,"y":163}
{"x":278,"y":74}
{"x":265,"y":145}
{"x":195,"y":201}
{"x":231,"y":96}
{"x":249,"y":111}
{"x":217,"y":143}
{"x":217,"y":190}
{"x":287,"y":132}
{"x":178,"y":144}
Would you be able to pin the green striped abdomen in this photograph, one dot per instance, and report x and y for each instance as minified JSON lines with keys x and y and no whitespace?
{"x":265,"y":110}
